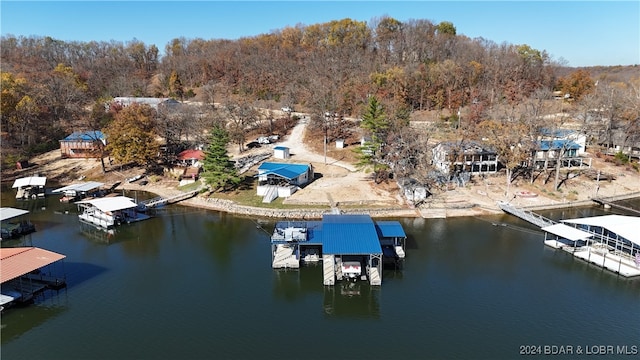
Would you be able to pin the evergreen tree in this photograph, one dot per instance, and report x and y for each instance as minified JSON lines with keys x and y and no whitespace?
{"x":219,"y":171}
{"x":375,"y":122}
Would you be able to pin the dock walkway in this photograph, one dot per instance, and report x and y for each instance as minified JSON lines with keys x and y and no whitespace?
{"x":595,"y":252}
{"x":328,"y":267}
{"x":160,"y":201}
{"x":609,"y":201}
{"x":526,"y":215}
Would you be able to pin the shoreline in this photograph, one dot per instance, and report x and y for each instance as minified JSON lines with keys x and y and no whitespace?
{"x":430,"y":210}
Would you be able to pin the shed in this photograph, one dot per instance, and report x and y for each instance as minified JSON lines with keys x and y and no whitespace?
{"x":340,"y":144}
{"x":281,"y":152}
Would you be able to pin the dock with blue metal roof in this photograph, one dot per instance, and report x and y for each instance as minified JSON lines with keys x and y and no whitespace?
{"x":351,"y":247}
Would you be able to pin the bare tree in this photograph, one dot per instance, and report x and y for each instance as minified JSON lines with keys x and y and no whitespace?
{"x":242,"y":117}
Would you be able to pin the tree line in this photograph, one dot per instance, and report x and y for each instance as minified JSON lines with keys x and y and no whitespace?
{"x":51,"y":87}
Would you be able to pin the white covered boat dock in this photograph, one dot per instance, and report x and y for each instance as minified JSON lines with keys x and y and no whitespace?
{"x":14,"y":223}
{"x":609,"y":241}
{"x":78,"y":191}
{"x":30,"y":187}
{"x":110,"y":211}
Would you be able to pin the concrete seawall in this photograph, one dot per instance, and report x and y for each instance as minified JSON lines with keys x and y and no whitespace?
{"x":432,"y":210}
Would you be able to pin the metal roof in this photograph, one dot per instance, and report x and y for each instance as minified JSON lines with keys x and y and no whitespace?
{"x":30,"y":181}
{"x":111,"y":203}
{"x":567,"y":232}
{"x":85,"y":136}
{"x":349,"y":235}
{"x":7,"y":213}
{"x":388,"y":229}
{"x":86,"y":186}
{"x":557,"y":145}
{"x":558,"y":133}
{"x":191,"y":154}
{"x":287,"y":171}
{"x":314,"y":232}
{"x":15,"y":262}
{"x":625,"y":226}
{"x":280,"y":148}
{"x":467,"y":147}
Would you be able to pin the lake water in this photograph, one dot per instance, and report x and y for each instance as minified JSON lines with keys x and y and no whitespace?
{"x":196,"y":284}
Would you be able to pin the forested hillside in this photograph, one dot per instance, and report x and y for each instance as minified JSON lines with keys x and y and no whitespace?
{"x":51,"y":87}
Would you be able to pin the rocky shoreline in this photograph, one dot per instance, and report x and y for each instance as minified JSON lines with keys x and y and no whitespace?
{"x":432,"y":209}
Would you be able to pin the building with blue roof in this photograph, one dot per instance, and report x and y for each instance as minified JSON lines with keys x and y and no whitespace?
{"x":349,"y":235}
{"x":82,"y":144}
{"x":578,"y":138}
{"x":282,"y":179}
{"x":355,"y":240}
{"x":548,"y":153}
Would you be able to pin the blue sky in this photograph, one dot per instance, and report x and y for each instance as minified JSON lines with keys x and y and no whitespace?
{"x":583,"y":33}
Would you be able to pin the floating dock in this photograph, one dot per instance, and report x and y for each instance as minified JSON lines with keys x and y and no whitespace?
{"x":22,"y":275}
{"x":14,"y":223}
{"x":109,"y":212}
{"x":610,"y":241}
{"x":351,"y":247}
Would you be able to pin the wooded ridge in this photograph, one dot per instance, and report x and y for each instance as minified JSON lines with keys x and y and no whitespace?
{"x":477,"y":88}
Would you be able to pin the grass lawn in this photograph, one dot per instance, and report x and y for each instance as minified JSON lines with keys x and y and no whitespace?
{"x":246,"y":195}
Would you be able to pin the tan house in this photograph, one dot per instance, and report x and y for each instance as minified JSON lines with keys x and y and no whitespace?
{"x":82,"y":144}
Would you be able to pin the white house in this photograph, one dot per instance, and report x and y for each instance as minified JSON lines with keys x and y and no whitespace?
{"x":548,"y":152}
{"x":576,"y":137}
{"x":464,"y":156}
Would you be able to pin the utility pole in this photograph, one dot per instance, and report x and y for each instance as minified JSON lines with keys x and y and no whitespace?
{"x":326,"y":127}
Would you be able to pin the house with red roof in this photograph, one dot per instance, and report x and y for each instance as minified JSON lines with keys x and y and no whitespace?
{"x":191,"y":157}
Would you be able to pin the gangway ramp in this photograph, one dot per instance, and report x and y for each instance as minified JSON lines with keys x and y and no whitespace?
{"x":525,"y":215}
{"x":328,"y":267}
{"x":160,"y":201}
